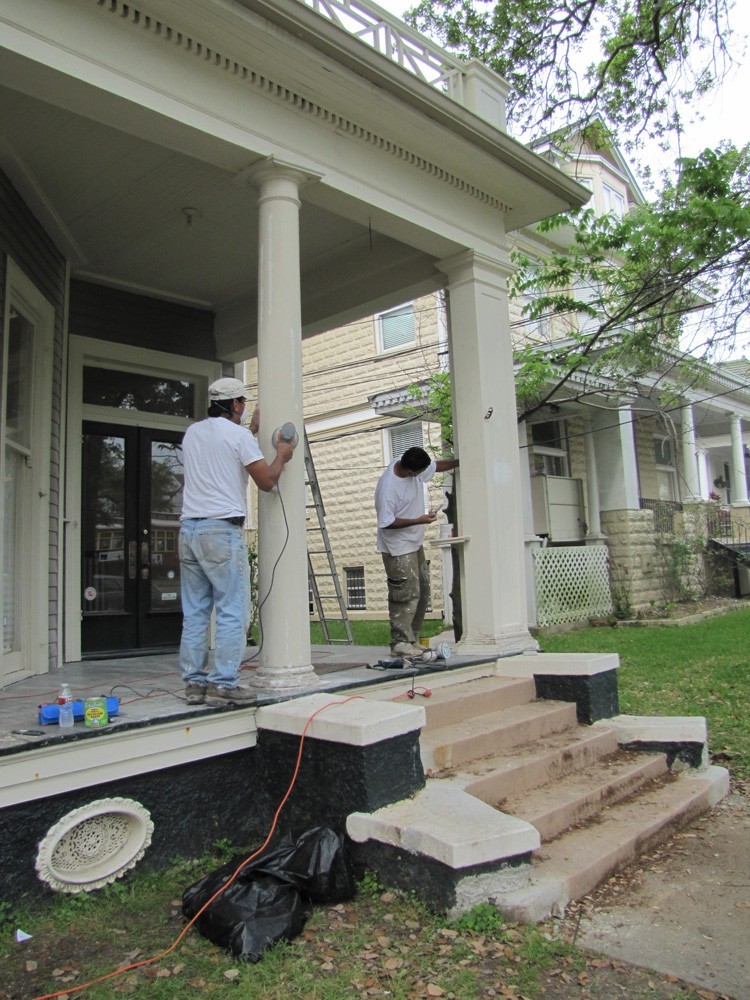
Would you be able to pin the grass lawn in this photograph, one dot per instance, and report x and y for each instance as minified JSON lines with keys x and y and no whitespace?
{"x":699,"y":669}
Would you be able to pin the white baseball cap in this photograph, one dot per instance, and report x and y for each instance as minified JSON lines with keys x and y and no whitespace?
{"x":226,"y":388}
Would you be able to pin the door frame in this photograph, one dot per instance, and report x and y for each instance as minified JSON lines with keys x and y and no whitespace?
{"x":34,"y":594}
{"x":86,"y":351}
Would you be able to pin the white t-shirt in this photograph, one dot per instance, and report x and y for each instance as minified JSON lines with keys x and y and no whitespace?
{"x":215,"y":452}
{"x":397,"y":497}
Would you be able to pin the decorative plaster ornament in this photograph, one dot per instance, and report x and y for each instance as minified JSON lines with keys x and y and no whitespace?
{"x":94,"y":845}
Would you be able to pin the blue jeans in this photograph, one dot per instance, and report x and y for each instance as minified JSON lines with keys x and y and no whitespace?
{"x":215,"y":574}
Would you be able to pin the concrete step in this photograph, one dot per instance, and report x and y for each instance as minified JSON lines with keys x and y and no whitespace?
{"x":577,"y":797}
{"x":530,"y":765}
{"x":576,"y":862}
{"x":454,"y":703}
{"x":493,"y":733}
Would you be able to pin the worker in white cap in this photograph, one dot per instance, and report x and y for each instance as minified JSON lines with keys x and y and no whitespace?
{"x":219,"y":456}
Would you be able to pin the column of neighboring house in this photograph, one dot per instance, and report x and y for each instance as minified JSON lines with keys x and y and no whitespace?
{"x":285,"y":659}
{"x":628,"y":529}
{"x":690,"y":491}
{"x":594,"y":534}
{"x":738,"y":473}
{"x":488,"y":481}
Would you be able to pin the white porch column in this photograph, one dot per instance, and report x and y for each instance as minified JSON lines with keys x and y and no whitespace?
{"x":691,"y":488}
{"x":738,"y":484}
{"x":617,"y":467}
{"x":285,"y":660}
{"x":704,"y":484}
{"x":594,"y":529}
{"x":488,"y":481}
{"x":531,"y":542}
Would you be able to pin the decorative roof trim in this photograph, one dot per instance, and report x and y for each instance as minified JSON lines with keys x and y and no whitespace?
{"x":132,"y":16}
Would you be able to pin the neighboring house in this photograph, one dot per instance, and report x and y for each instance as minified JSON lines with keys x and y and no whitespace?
{"x":620,"y":493}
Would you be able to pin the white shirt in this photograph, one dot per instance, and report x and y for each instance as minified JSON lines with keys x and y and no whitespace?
{"x":400,"y":497}
{"x":215,"y":452}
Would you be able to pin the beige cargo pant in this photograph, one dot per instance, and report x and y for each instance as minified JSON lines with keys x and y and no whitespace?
{"x":408,"y":594}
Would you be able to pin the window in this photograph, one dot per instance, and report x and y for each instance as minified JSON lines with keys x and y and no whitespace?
{"x":396,"y":328}
{"x":549,"y":448}
{"x":666,"y":473}
{"x":355,"y":588}
{"x":614,"y":201}
{"x":402,"y":437}
{"x":135,"y":391}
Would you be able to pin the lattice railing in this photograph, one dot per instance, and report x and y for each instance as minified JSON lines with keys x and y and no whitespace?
{"x":387,"y":34}
{"x":664,"y":512}
{"x":572,"y":583}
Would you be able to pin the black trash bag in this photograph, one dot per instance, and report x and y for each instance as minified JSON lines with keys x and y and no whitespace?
{"x":316,"y":864}
{"x":249,"y":916}
{"x":268,"y":900}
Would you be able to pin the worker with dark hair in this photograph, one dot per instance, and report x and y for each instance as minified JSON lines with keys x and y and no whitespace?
{"x":399,"y":504}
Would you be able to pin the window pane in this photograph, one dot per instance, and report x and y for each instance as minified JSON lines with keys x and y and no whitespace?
{"x":663,"y":451}
{"x":549,"y":434}
{"x":135,"y":391}
{"x":167,"y":478}
{"x":355,"y":588}
{"x":20,"y":358}
{"x":397,"y":327}
{"x":103,"y":523}
{"x":15,"y":464}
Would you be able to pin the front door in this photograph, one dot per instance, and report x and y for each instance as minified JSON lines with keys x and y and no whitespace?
{"x":132,"y":497}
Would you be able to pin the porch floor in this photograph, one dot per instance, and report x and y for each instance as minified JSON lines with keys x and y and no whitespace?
{"x":151,"y":691}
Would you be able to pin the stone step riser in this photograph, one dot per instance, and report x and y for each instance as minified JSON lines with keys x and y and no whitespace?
{"x":552,"y":822}
{"x":445,"y":708}
{"x":503,"y":737}
{"x":544,"y":768}
{"x":569,"y":868}
{"x":656,"y":833}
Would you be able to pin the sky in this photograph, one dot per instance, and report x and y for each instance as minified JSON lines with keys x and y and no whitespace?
{"x":725,"y":112}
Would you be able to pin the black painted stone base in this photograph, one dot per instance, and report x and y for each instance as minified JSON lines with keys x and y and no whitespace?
{"x":192,"y":806}
{"x":685,"y":752}
{"x":335,"y":779}
{"x":432,"y":881}
{"x":595,"y":695}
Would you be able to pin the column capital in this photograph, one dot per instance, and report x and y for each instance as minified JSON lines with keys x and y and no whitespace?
{"x":468,"y":265}
{"x":273,"y":169}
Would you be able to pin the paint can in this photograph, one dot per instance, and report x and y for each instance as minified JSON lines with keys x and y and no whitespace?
{"x":95,"y":714}
{"x":424,"y":640}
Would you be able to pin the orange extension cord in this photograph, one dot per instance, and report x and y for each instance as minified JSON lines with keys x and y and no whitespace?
{"x":149,"y":961}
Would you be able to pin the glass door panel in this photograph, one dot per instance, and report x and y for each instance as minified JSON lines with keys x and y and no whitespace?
{"x":108,"y":578}
{"x":132,"y":499}
{"x":160,"y":457}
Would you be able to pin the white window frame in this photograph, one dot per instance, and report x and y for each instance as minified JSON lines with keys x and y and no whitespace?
{"x":381,"y":348}
{"x":549,"y":454}
{"x":666,"y":472}
{"x":33,"y":595}
{"x":614,"y":201}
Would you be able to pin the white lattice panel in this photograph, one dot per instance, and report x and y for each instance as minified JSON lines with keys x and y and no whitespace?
{"x":572,"y":583}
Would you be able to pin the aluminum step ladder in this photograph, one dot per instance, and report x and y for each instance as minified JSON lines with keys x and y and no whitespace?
{"x":331,"y":607}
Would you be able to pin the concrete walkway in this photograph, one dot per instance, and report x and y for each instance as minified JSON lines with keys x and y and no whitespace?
{"x":684,"y":909}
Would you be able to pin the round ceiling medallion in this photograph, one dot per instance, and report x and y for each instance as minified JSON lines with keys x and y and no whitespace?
{"x":94,"y":845}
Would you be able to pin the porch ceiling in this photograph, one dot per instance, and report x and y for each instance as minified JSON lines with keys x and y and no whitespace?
{"x":118,"y":205}
{"x":118,"y":123}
